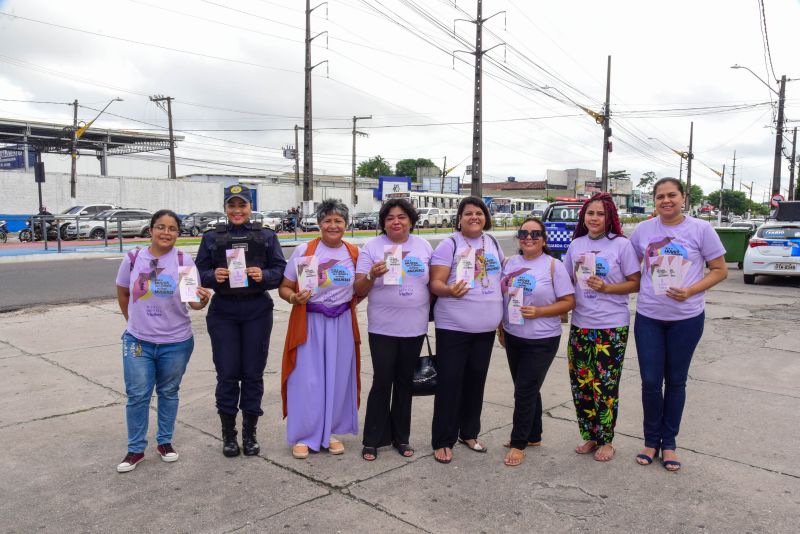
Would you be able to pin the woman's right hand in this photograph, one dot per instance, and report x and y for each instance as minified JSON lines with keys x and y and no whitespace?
{"x":221,"y":274}
{"x":458,"y":289}
{"x":378,"y":269}
{"x":300,"y":298}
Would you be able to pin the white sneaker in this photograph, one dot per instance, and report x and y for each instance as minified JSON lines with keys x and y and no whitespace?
{"x":132,"y":459}
{"x":167,"y":453}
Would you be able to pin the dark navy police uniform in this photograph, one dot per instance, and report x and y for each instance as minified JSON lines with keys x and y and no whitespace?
{"x":240,"y":319}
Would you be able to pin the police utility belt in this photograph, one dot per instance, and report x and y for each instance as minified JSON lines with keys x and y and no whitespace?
{"x":255,"y":252}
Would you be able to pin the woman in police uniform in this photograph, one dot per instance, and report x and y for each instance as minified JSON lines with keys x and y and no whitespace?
{"x":240,"y":319}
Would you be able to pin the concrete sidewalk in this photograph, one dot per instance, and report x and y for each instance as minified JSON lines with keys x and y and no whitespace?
{"x":62,"y":431}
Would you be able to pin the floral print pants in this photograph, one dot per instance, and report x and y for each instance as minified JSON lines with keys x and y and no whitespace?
{"x":595,"y":368}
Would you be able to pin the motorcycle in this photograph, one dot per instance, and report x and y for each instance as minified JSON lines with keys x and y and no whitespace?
{"x":33,"y":229}
{"x":289,"y":224}
{"x":3,"y":232}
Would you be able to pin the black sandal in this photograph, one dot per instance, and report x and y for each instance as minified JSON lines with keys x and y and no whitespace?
{"x":404,"y":448}
{"x":373,"y":451}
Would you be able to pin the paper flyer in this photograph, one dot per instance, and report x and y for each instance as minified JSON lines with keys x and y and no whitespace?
{"x":393,"y":256}
{"x":465,"y":268}
{"x":515,"y":305}
{"x":667,"y":272}
{"x":237,"y":268}
{"x":308,"y":273}
{"x":188,"y":282}
{"x":585,"y":269}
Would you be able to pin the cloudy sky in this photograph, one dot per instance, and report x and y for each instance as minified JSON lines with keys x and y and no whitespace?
{"x":235,"y":70}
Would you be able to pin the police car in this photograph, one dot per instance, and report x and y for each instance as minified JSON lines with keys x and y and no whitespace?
{"x":775,"y":248}
{"x":560,"y":219}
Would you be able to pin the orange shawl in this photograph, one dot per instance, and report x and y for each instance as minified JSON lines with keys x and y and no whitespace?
{"x":297,"y":332}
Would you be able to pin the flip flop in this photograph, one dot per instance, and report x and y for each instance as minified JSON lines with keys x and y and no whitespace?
{"x":373,"y":451}
{"x":442,"y":460}
{"x":404,"y":449}
{"x":514,"y":454}
{"x":607,"y":459}
{"x":591,"y":450}
{"x":478,"y":447}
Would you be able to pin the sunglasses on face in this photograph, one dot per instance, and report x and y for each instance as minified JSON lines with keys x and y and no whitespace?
{"x":525,"y":234}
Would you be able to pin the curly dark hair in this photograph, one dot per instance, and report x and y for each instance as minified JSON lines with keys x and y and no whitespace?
{"x":613,"y":225}
{"x":477,"y":202}
{"x":332,"y":206}
{"x":401,"y":203}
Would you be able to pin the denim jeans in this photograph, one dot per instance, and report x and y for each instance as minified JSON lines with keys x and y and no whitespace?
{"x":147,"y":366}
{"x":665,"y":350}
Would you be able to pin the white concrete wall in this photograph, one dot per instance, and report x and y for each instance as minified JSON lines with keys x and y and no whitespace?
{"x":18,"y":193}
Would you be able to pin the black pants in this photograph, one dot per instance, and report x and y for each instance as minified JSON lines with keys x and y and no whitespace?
{"x":393,"y":362}
{"x":462,"y":361}
{"x":529,"y":360}
{"x":240,"y":331}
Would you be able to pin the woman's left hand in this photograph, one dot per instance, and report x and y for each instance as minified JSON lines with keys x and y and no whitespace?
{"x":596,"y":283}
{"x":204,"y":294}
{"x":255,"y":273}
{"x":529,"y":312}
{"x":679,"y":293}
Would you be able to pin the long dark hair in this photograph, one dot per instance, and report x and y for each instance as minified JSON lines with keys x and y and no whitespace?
{"x":401,"y":203}
{"x":613,"y":225}
{"x":475,"y":201}
{"x":538,"y":221}
{"x":161,"y":213}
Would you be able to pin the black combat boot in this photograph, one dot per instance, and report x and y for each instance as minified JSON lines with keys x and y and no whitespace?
{"x":249,"y":442}
{"x":229,"y":446}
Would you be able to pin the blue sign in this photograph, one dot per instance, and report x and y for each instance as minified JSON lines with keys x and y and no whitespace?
{"x":14,"y":158}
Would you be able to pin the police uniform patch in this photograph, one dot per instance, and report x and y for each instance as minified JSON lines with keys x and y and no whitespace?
{"x":236,"y":189}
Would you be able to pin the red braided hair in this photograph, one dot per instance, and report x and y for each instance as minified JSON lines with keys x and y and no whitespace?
{"x":612,"y":218}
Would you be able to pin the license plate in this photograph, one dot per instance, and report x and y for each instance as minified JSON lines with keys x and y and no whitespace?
{"x":785,"y":266}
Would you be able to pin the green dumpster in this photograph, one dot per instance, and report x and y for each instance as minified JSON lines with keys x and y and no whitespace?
{"x":735,"y":242}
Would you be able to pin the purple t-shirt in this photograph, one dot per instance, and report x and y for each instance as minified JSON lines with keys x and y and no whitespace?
{"x":155,"y":311}
{"x":481,"y":309}
{"x":695,"y":241}
{"x":615,"y":259}
{"x":539,"y":289}
{"x":410,"y":300}
{"x":336,"y":273}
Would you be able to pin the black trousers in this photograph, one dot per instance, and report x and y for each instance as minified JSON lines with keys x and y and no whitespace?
{"x":240,"y":331}
{"x":388,"y":418}
{"x":462,"y":361}
{"x":529,"y":360}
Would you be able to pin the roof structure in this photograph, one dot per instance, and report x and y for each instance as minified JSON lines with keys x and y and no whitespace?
{"x":57,"y":138}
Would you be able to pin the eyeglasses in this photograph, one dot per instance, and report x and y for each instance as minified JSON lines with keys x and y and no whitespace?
{"x":165,"y":228}
{"x":533,"y":234}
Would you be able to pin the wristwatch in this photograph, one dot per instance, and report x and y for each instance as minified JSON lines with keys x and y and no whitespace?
{"x":369,"y":276}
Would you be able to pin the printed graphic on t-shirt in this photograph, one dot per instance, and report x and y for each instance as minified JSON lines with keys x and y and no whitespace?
{"x":486,"y":265}
{"x":663,"y":246}
{"x":153,"y":283}
{"x":333,"y":273}
{"x":519,"y":278}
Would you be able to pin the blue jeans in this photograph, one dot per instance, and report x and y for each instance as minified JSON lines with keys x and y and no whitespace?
{"x":148,"y":365}
{"x":665,"y":350}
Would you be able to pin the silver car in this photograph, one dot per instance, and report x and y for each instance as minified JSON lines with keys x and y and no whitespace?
{"x":132,"y":222}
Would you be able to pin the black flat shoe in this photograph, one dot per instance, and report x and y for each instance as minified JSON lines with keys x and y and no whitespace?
{"x":369,"y":451}
{"x":404,"y":449}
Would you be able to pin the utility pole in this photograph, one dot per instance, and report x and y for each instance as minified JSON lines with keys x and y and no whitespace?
{"x":792,"y":166}
{"x":607,"y":127}
{"x":159,"y":99}
{"x":296,"y":159}
{"x":308,"y":149}
{"x":776,"y":170}
{"x":733,"y":173}
{"x":73,"y":177}
{"x":444,"y":175}
{"x":689,"y":169}
{"x":721,"y":190}
{"x":355,"y":133}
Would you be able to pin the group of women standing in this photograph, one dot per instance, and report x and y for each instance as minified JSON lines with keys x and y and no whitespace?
{"x":520,"y":299}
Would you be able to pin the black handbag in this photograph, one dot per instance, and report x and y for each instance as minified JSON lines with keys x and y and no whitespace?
{"x":424,"y":382}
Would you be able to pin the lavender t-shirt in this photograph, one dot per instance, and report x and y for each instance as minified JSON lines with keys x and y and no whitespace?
{"x":155,"y":311}
{"x":481,"y":309}
{"x":398,"y":310}
{"x":336,"y":273}
{"x":539,"y":289}
{"x":615,"y":260}
{"x":692,"y":239}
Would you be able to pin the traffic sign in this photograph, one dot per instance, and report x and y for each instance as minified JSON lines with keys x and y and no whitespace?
{"x":775,"y":200}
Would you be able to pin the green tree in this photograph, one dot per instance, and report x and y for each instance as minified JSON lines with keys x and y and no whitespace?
{"x":732,"y":201}
{"x":408,"y":167}
{"x":374,"y":167}
{"x":619,"y":175}
{"x":695,"y":194}
{"x":646,"y":181}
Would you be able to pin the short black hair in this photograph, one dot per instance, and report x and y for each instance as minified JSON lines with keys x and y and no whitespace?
{"x":332,"y":206}
{"x":161,"y":213}
{"x":474,"y":201}
{"x":401,"y":203}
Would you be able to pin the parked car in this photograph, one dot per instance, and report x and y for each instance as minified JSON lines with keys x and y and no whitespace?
{"x":560,"y":219}
{"x":758,"y":221}
{"x":309,"y":223}
{"x":503,"y":220}
{"x":133,"y":222}
{"x":750,"y":225}
{"x":211,"y":224}
{"x":429,"y":217}
{"x":357,"y":219}
{"x":195,"y":223}
{"x":370,"y":222}
{"x":273,"y":220}
{"x":774,"y":251}
{"x":82,"y":211}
